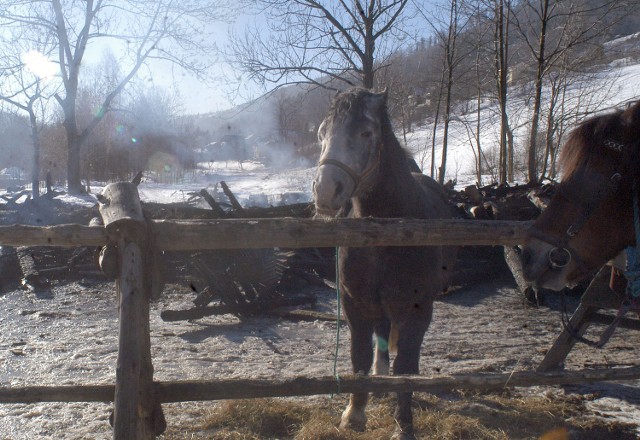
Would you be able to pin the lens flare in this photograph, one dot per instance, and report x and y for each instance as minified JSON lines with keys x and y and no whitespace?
{"x":38,"y":64}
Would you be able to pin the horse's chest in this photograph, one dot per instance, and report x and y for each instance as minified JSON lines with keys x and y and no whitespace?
{"x":369,"y":274}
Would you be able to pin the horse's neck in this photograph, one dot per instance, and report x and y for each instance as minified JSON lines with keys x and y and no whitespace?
{"x":390,"y":196}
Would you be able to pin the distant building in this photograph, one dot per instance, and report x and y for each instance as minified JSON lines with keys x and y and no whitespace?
{"x":230,"y":147}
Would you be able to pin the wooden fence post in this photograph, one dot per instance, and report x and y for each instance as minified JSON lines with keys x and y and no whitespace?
{"x":137,"y":413}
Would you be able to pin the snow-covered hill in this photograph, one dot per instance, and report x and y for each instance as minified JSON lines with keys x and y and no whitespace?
{"x":614,"y":86}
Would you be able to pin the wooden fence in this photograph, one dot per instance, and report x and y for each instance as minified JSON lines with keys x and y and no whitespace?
{"x":135,"y":243}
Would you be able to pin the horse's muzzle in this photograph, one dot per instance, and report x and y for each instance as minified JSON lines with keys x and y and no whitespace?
{"x":331,"y":191}
{"x":545,"y":265}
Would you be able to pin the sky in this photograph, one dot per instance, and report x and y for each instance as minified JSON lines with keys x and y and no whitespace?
{"x":196,"y":95}
{"x":200,"y":97}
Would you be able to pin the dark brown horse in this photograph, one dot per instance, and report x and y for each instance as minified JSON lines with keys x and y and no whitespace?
{"x":590,"y":218}
{"x":364,"y":172}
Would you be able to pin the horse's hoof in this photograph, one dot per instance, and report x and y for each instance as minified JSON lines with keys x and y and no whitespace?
{"x":403,"y":436}
{"x":353,"y":419}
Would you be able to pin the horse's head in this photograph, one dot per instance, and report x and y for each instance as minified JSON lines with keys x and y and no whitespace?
{"x":589,"y":220}
{"x":351,"y":138}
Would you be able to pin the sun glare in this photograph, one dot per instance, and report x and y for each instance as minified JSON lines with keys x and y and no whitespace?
{"x":39,"y":65}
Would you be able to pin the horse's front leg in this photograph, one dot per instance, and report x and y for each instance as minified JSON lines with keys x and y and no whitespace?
{"x":381,"y":358}
{"x":410,"y":335}
{"x":354,"y":416}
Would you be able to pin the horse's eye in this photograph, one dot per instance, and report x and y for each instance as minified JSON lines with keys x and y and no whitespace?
{"x":366,"y":134}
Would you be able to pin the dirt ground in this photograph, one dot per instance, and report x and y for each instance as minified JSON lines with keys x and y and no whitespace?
{"x":68,"y":335}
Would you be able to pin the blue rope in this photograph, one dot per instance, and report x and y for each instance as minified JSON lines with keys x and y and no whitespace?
{"x":632,"y":272}
{"x":338,"y":313}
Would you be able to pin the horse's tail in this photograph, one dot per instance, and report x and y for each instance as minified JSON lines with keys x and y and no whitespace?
{"x":393,"y":339}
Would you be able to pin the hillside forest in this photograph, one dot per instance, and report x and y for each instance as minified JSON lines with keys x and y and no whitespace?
{"x":438,"y":61}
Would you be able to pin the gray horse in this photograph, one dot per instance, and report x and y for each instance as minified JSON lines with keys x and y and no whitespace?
{"x":364,"y":172}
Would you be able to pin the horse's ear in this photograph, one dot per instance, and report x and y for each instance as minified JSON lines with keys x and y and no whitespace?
{"x":321,"y":129}
{"x":631,"y":120}
{"x":385,"y":94}
{"x":376,"y":102}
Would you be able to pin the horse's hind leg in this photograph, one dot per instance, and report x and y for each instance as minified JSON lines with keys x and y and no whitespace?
{"x":354,"y":416}
{"x":410,"y":335}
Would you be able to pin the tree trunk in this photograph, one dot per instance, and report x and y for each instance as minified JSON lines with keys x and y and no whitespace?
{"x":436,"y":120}
{"x":478,"y":124}
{"x":535,"y":120}
{"x":505,"y":69}
{"x":74,"y":143}
{"x":450,"y":53}
{"x":35,"y":172}
{"x":74,"y":182}
{"x":445,"y":136}
{"x":368,"y":59}
{"x":501,"y":78}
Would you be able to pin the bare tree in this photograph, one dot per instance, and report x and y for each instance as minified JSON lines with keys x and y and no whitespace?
{"x":575,"y":92}
{"x":315,"y":41}
{"x":448,"y":31}
{"x":480,"y":35}
{"x":142,"y":30}
{"x":501,"y":9}
{"x":404,"y":78}
{"x":550,"y":28}
{"x":25,"y":87}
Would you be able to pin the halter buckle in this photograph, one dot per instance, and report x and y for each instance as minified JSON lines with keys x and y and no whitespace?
{"x":559,"y":257}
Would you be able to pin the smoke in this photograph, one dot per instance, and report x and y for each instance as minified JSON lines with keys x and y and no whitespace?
{"x":263,"y":126}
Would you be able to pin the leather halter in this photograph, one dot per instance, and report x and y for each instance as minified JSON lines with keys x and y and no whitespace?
{"x":562,"y":254}
{"x":357,"y":178}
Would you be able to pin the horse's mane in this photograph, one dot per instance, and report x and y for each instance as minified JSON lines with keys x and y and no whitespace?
{"x":587,"y":141}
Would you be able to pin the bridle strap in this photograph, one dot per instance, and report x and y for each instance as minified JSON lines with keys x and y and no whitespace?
{"x":610,"y":186}
{"x":344,"y":167}
{"x":357,"y":178}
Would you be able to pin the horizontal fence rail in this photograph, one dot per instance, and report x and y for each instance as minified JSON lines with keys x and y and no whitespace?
{"x":169,"y":235}
{"x":71,"y":235}
{"x":201,"y":390}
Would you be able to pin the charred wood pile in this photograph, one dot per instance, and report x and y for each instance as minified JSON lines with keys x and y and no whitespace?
{"x":34,"y":268}
{"x":241,"y":282}
{"x":493,"y":202}
{"x":248,"y":281}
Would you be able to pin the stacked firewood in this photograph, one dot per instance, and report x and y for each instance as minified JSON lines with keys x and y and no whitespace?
{"x":499,"y":202}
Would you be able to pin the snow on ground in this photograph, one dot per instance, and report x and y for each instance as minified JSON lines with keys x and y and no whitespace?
{"x":252,"y":184}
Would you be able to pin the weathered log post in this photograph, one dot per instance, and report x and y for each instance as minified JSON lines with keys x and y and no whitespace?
{"x":137,"y":413}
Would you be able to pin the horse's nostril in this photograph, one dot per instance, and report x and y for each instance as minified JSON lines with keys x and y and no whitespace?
{"x":339,"y":189}
{"x":525,"y":256}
